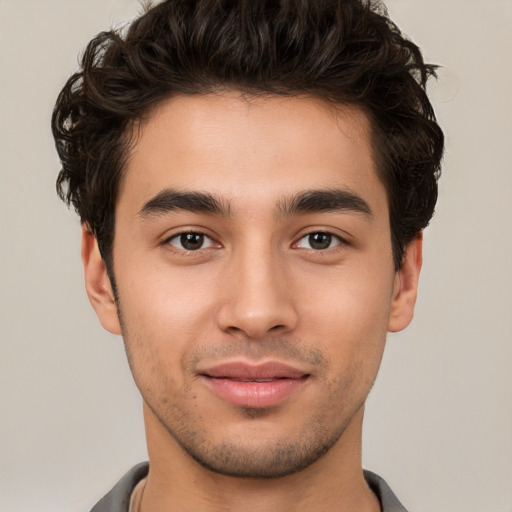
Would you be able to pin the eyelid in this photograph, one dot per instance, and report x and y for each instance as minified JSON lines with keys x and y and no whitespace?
{"x":334,"y":238}
{"x":176,"y":236}
{"x":340,"y":239}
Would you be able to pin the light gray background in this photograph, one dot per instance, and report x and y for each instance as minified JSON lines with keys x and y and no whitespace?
{"x":439,"y":421}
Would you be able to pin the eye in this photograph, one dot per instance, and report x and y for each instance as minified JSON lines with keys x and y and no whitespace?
{"x":319,"y":241}
{"x":191,"y":241}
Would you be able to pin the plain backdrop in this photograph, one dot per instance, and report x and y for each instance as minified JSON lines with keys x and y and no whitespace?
{"x":439,"y":420}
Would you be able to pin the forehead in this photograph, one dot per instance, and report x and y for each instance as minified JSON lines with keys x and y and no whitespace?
{"x":250,"y":149}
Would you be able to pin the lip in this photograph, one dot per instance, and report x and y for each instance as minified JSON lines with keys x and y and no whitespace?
{"x":255,"y":386}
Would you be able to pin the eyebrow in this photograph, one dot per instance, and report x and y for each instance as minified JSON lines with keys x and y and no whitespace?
{"x":309,"y":201}
{"x":170,"y":200}
{"x":329,"y":200}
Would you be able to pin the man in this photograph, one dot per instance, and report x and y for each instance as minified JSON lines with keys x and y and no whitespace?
{"x":252,"y":178}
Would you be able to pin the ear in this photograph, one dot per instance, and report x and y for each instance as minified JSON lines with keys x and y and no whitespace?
{"x":97,"y":283}
{"x":405,"y":287}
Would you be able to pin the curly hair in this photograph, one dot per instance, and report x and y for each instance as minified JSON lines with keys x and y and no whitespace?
{"x":343,"y":51}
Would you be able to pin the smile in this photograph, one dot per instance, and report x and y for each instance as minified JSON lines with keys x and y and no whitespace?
{"x":259,"y":386}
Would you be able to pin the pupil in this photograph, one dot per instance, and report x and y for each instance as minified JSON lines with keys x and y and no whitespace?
{"x":320,"y":240}
{"x":192,"y":241}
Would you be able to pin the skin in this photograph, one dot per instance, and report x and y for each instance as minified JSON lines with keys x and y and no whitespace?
{"x":257,"y":290}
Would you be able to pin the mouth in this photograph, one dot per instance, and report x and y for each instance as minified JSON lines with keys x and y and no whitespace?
{"x":254,"y":386}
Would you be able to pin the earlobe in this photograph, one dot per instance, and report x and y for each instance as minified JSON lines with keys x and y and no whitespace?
{"x":406,"y":287}
{"x":97,"y":283}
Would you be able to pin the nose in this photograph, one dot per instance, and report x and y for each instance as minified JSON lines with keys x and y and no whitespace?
{"x":258,"y":297}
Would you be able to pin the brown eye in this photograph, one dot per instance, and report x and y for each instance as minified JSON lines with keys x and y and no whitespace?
{"x":191,"y":241}
{"x":318,"y":241}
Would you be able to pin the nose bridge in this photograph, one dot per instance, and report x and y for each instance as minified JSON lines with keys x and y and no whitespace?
{"x":258,"y":300}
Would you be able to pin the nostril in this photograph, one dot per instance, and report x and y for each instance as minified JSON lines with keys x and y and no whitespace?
{"x":255,"y":319}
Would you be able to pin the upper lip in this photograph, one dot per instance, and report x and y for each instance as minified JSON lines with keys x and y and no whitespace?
{"x":246,"y":371}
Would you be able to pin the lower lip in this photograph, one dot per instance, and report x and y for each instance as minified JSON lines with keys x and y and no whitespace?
{"x":254,"y":394}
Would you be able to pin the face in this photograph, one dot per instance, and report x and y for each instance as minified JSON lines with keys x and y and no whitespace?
{"x":255,"y":278}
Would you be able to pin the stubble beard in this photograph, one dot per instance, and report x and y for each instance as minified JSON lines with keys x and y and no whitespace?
{"x":248,"y":458}
{"x":245,"y":458}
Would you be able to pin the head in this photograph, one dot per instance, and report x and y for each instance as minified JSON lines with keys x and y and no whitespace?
{"x":344,"y":52}
{"x":214,"y":115}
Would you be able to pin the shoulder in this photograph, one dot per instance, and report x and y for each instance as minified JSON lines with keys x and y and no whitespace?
{"x":389,"y":502}
{"x":118,"y":499}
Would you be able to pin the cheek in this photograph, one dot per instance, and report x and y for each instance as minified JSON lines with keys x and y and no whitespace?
{"x":162,"y":323}
{"x":169,"y":304}
{"x":349,"y":318}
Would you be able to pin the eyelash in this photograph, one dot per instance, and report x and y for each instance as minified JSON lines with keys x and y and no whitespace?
{"x":330,"y":238}
{"x":180,"y":238}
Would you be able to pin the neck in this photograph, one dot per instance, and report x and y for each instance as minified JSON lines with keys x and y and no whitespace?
{"x":177,"y":482}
